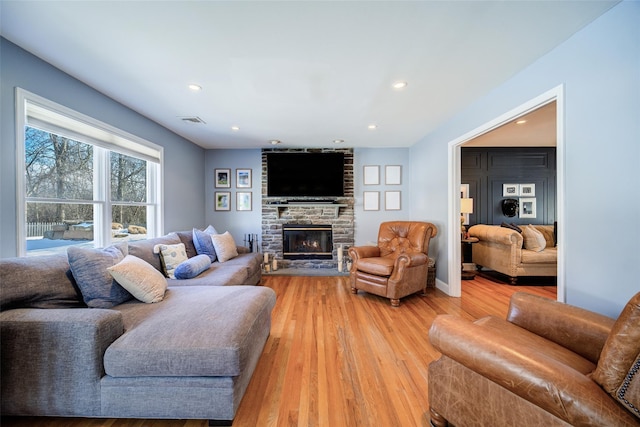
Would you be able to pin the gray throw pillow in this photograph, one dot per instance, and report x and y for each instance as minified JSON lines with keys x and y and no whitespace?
{"x":89,"y":269}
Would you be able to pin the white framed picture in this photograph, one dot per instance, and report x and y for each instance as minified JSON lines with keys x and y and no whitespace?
{"x":243,"y":201}
{"x":527,"y":190}
{"x":371,"y":175}
{"x":392,"y":200}
{"x":393,"y":175}
{"x":371,"y":200}
{"x":527,"y":207}
{"x":243,"y":178}
{"x":510,"y":190}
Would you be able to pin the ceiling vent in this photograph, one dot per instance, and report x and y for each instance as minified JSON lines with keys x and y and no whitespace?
{"x":192,"y":119}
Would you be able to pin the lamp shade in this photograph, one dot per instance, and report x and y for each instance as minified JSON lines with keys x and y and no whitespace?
{"x":466,"y":206}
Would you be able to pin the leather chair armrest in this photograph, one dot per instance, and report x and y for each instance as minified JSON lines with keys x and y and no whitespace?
{"x":357,"y":252}
{"x":581,"y":331}
{"x":543,"y":381}
{"x":407,"y":260}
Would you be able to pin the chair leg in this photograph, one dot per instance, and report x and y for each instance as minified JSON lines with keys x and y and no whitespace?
{"x":354,"y":291}
{"x":437,"y":420}
{"x":395,"y":302}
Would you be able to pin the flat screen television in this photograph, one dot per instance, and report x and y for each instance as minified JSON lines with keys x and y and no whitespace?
{"x":305,"y":174}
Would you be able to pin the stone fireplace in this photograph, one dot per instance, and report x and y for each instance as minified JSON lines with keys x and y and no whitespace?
{"x":304,"y":219}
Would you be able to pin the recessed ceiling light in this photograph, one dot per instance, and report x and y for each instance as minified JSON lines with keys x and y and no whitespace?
{"x":521,"y":122}
{"x":235,"y":128}
{"x":372,"y":126}
{"x":274,"y":142}
{"x":338,"y":141}
{"x":400,"y":85}
{"x":195,"y":87}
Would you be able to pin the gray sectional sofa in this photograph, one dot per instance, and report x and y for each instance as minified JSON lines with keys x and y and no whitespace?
{"x":189,"y":356}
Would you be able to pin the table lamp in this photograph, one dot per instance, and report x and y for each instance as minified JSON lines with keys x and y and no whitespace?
{"x":466,"y":207}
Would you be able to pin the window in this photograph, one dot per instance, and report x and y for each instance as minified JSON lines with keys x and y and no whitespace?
{"x":83,"y":182}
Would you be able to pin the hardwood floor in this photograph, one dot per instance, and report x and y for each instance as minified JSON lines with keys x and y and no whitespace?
{"x":338,"y":359}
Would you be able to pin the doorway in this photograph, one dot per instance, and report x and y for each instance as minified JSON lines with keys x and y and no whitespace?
{"x":454,"y":255}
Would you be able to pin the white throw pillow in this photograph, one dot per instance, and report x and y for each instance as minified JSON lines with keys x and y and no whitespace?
{"x":225,"y":246}
{"x":533,"y":239}
{"x":140,"y":278}
{"x":172,"y":256}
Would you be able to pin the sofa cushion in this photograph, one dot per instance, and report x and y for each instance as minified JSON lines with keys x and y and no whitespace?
{"x":89,"y":269}
{"x":618,"y":370}
{"x":139,"y":278}
{"x":143,"y":249}
{"x":192,"y":267}
{"x":533,"y":239}
{"x":548,"y":256}
{"x":382,"y":266}
{"x":47,"y":283}
{"x":171,"y":256}
{"x":225,"y":246}
{"x":203,"y":244}
{"x":194,"y":331}
{"x":240,"y":270}
{"x":186,"y":237}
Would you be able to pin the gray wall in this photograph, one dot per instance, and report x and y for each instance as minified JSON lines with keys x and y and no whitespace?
{"x":184,"y":161}
{"x":600,"y":70}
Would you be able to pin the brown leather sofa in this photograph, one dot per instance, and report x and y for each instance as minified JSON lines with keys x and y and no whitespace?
{"x":398,"y":266}
{"x":547,"y":364}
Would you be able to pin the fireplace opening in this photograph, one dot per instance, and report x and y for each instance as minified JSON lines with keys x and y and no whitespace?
{"x":303,"y":241}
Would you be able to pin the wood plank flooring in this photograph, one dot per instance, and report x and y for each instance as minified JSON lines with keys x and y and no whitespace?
{"x":338,"y":359}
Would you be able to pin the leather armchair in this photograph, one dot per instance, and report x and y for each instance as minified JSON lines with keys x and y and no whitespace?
{"x":547,"y":364}
{"x":398,"y":265}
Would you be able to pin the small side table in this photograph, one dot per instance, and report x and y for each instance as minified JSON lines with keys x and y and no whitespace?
{"x":466,"y":275}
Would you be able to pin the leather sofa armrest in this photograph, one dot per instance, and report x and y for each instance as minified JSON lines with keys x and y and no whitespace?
{"x":581,"y":331}
{"x":357,"y":252}
{"x":545,"y":382}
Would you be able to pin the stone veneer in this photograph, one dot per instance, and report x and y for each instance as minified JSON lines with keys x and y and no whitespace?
{"x":343,"y":225}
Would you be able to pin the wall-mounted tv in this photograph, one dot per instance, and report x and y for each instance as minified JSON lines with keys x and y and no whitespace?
{"x":305,"y":174}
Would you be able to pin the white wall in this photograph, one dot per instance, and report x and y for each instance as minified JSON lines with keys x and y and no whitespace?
{"x":368,"y":222}
{"x":600,"y":70}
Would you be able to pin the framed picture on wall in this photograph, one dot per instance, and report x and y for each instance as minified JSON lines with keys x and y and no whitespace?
{"x":527,"y":190}
{"x":223,"y":178}
{"x":371,"y":201}
{"x":243,"y":178}
{"x":243,"y":201}
{"x":393,"y":175}
{"x":371,"y":175}
{"x":222,"y":200}
{"x":392,"y":200}
{"x":510,"y":190}
{"x":527,"y":207}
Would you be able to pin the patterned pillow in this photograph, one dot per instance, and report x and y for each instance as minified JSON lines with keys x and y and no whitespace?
{"x":533,"y":239}
{"x":225,"y":246}
{"x":140,"y":278}
{"x":89,"y":269}
{"x":192,"y":267}
{"x":202,"y":242}
{"x":171,"y":256}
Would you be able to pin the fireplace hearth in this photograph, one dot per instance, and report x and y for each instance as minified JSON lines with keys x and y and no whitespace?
{"x":304,"y":241}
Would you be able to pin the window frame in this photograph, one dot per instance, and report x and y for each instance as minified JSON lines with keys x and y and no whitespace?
{"x":36,"y":111}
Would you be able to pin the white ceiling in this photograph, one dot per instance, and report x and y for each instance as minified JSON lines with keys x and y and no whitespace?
{"x":303,"y":72}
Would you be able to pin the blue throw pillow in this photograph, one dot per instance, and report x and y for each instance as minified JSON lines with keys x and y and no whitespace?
{"x":89,"y":269}
{"x":192,"y":267}
{"x":204,"y":245}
